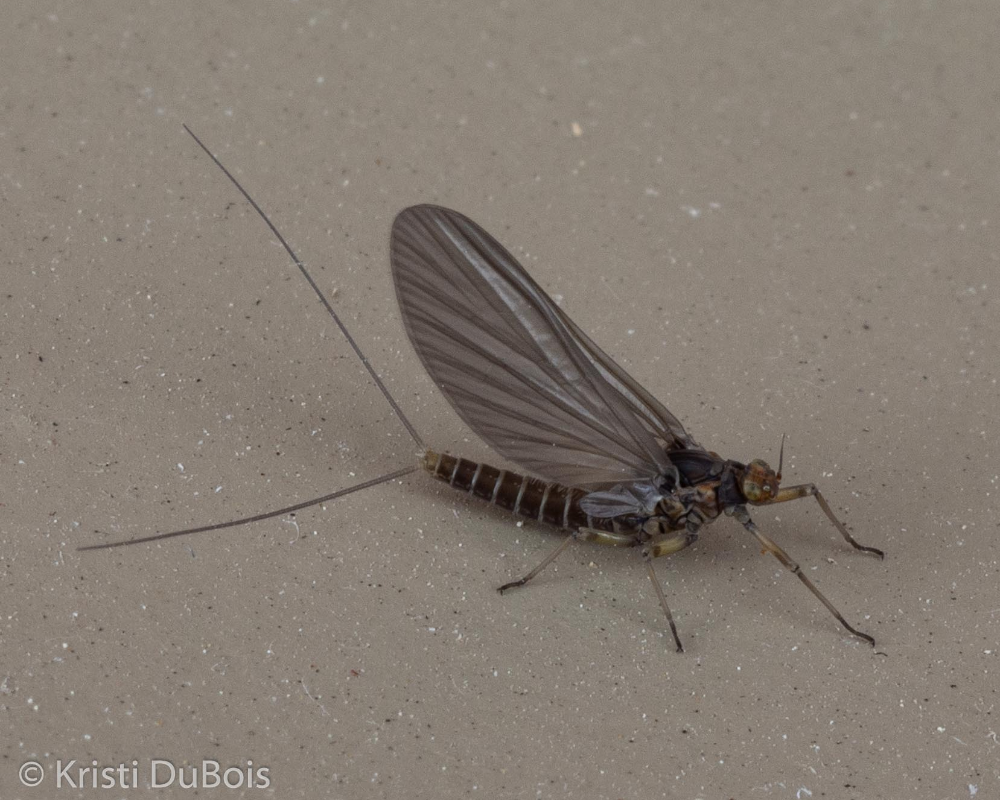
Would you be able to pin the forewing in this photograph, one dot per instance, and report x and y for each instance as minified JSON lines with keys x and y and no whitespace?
{"x":515,"y":367}
{"x":664,"y":425}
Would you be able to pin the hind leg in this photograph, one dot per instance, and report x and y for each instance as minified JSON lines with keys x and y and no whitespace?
{"x":581,"y":535}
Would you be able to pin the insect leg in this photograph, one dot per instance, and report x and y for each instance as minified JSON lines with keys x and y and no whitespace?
{"x":796,"y":570}
{"x":664,"y":546}
{"x":606,"y":537}
{"x":669,"y":544}
{"x":810,"y":490}
{"x":545,"y":562}
{"x":581,"y":535}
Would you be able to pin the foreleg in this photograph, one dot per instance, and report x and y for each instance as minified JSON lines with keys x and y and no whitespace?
{"x":809,"y":490}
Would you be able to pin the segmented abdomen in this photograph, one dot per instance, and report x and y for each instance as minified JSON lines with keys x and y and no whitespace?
{"x":528,"y":497}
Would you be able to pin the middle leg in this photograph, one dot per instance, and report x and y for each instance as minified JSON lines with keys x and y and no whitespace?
{"x":792,"y":566}
{"x":666,"y":545}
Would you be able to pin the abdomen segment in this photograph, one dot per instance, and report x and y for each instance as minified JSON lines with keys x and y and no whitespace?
{"x":535,"y":499}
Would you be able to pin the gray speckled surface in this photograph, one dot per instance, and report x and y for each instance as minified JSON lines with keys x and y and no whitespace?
{"x":781,"y":220}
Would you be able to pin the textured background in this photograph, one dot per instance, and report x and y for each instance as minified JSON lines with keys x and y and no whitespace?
{"x":781,"y":218}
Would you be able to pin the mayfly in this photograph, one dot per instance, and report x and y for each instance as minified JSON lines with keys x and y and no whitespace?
{"x":603,"y":459}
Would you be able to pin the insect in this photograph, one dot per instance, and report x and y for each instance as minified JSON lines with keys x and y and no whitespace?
{"x":602,"y":458}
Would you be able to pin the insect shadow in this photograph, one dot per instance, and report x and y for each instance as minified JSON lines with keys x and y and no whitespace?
{"x":602,"y":458}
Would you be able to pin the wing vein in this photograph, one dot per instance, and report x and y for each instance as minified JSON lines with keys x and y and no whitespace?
{"x":514,"y":366}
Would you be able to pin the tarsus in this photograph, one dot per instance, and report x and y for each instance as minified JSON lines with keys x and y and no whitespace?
{"x":302,"y":268}
{"x":256,"y":518}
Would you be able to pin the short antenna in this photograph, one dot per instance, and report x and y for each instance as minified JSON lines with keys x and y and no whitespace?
{"x":781,"y":456}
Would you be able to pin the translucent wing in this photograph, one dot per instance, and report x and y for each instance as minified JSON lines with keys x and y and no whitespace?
{"x":634,"y":498}
{"x":518,"y":371}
